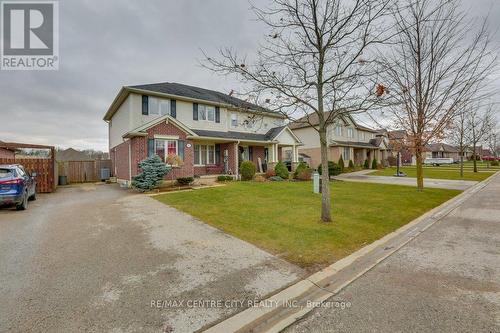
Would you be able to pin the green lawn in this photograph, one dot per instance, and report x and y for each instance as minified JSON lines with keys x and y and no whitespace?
{"x":436,"y":173}
{"x":283,"y":217}
{"x":469,"y":165}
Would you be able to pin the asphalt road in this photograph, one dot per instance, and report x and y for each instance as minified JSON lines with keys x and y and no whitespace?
{"x":445,"y":280}
{"x":96,"y":258}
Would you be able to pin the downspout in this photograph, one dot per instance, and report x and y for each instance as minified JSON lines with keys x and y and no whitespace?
{"x":237,"y":157}
{"x":130,"y":161}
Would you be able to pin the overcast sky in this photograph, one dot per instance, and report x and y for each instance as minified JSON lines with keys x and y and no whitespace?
{"x":107,"y":44}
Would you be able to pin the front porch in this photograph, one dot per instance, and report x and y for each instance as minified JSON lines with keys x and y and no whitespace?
{"x":215,"y":157}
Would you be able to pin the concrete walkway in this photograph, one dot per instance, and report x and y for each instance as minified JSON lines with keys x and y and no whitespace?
{"x":364,"y":177}
{"x":95,"y":258}
{"x":445,"y":280}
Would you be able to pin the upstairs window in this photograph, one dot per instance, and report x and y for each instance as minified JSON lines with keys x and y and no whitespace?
{"x":234,"y":120}
{"x":350,"y":133}
{"x":155,"y":106}
{"x":338,"y":130}
{"x":206,"y":112}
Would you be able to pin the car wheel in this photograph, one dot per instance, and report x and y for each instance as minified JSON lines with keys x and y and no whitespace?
{"x":24,"y":204}
{"x":33,"y":197}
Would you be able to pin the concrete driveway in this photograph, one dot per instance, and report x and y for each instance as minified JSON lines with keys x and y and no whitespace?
{"x":97,"y":258}
{"x":445,"y":280}
{"x":364,"y":177}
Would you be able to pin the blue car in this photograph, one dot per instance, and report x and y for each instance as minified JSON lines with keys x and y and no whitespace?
{"x":16,"y":186}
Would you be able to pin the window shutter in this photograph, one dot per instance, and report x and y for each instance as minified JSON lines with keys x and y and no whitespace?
{"x":250,"y":153}
{"x":217,"y":114}
{"x":145,"y":104}
{"x":195,"y":111}
{"x":173,"y":106}
{"x":217,"y":154}
{"x":151,"y":147}
{"x":180,"y":148}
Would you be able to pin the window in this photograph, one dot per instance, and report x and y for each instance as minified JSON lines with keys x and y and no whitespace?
{"x":157,"y":106}
{"x":234,"y":120}
{"x":206,"y":112}
{"x":210,"y":113}
{"x":346,"y":154}
{"x":350,"y":133}
{"x":338,"y":130}
{"x":160,"y":149}
{"x":204,"y":154}
{"x":163,"y":148}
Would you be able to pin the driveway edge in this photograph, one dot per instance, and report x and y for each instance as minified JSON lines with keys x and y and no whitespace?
{"x":292,"y":303}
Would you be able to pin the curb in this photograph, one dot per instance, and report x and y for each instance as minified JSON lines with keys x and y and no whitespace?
{"x":293,"y":303}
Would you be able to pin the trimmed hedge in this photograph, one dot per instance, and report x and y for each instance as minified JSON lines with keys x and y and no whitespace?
{"x":341,"y":164}
{"x":185,"y":180}
{"x":351,"y":164}
{"x":366,"y":165}
{"x":300,"y":167}
{"x":224,"y":178}
{"x":333,"y":169}
{"x":247,"y":170}
{"x":281,"y":170}
{"x":374,"y":163}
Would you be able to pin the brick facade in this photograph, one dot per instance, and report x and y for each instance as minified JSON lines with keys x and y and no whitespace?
{"x":139,"y":151}
{"x":6,"y":153}
{"x":258,"y":151}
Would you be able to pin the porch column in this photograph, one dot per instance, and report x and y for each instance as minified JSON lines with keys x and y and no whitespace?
{"x":295,"y":157}
{"x":273,"y":156}
{"x":236,"y":160}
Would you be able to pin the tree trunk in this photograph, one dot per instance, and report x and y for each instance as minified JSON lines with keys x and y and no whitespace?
{"x":475,"y":158}
{"x":326,"y":215}
{"x":420,"y":173}
{"x":462,"y":165}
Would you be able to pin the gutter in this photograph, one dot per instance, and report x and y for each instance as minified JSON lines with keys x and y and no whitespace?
{"x":192,"y":137}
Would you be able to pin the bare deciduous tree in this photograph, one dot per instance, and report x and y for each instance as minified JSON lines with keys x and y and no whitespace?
{"x":312,"y":63}
{"x":437,"y":62}
{"x":459,"y":132}
{"x":479,"y":120}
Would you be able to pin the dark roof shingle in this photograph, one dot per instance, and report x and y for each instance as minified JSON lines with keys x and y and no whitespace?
{"x":179,"y":89}
{"x":269,"y":136}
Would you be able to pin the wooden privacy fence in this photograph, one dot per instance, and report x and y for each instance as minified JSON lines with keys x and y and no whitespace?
{"x":43,"y":167}
{"x":82,"y":171}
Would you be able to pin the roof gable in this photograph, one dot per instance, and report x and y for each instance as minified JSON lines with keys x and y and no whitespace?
{"x":141,"y":130}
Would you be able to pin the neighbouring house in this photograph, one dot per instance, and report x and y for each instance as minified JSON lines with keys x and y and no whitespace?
{"x":6,"y":152}
{"x":71,"y":154}
{"x":209,"y":131}
{"x":399,"y":141}
{"x":442,"y":150}
{"x":346,"y":138}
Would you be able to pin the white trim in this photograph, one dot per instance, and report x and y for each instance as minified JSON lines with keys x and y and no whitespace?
{"x":291,"y":132}
{"x":166,"y":137}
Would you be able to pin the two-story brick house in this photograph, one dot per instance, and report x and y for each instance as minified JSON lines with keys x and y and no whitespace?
{"x":211,"y":132}
{"x":346,"y":138}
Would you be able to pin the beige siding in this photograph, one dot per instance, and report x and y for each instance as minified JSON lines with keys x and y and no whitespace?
{"x":129,"y":116}
{"x":308,"y":136}
{"x":120,"y":123}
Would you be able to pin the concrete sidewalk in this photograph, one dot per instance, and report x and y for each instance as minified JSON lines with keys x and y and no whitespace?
{"x":446,"y":280}
{"x":364,"y":177}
